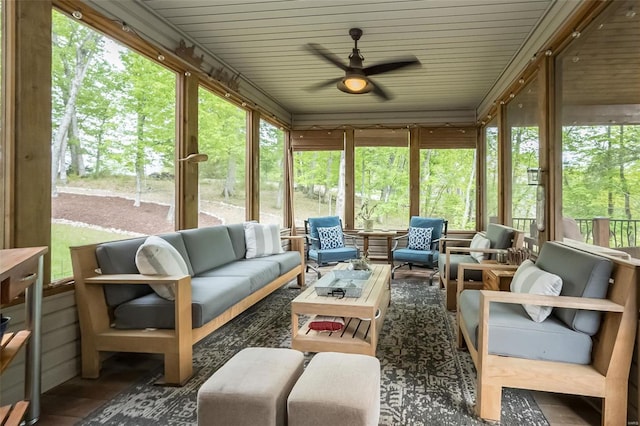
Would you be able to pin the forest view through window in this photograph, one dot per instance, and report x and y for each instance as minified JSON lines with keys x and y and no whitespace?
{"x":113,"y":142}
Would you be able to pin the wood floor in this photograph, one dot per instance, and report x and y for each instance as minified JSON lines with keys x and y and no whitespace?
{"x":74,"y":400}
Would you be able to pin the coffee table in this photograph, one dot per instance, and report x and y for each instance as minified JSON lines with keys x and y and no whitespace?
{"x":358,"y":336}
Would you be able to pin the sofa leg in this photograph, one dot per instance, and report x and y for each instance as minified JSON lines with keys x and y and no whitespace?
{"x":488,"y":401}
{"x":178,"y":367}
{"x":90,"y":363}
{"x":452,"y":290}
{"x":301,"y":280}
{"x":614,"y":405}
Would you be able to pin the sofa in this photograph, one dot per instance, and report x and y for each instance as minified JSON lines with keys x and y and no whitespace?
{"x":120,"y":311}
{"x":568,"y":325}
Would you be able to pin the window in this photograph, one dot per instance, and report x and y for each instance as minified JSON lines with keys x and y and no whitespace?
{"x":113,"y":144}
{"x":382,"y":177}
{"x":522,"y":122}
{"x":272,"y":166}
{"x":598,"y":110}
{"x":448,"y":175}
{"x":222,"y":134}
{"x":317,"y":191}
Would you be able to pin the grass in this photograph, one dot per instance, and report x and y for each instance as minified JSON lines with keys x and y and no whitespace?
{"x":64,"y":236}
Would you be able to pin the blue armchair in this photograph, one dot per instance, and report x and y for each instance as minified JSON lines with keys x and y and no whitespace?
{"x":421,"y":246}
{"x":326,"y":243}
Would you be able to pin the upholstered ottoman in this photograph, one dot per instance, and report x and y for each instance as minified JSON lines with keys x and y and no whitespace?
{"x":337,"y":389}
{"x":251,"y":388}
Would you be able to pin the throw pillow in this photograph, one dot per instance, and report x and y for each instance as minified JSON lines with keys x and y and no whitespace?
{"x":330,"y":237}
{"x":533,"y":280}
{"x":479,"y":242}
{"x":157,"y":257}
{"x":419,"y":238}
{"x":261,"y":239}
{"x":326,"y":323}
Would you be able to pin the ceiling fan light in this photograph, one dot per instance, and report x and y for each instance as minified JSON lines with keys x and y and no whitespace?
{"x":355,"y":84}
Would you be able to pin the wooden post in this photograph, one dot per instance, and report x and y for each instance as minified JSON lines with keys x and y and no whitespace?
{"x":27,"y":125}
{"x":187,"y":134}
{"x":253,"y":166}
{"x":414,"y":173}
{"x":349,"y":179}
{"x":601,"y":231}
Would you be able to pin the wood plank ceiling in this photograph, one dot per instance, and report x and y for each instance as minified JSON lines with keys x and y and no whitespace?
{"x":464,"y":47}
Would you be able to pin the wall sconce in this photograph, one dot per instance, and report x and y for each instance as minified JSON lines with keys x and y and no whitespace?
{"x":534,"y":176}
{"x":195,"y":158}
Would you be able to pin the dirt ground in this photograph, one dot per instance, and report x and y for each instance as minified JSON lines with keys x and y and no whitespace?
{"x":118,"y":213}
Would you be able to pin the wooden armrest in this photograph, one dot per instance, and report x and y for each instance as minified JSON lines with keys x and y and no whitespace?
{"x":292,"y":237}
{"x":457,"y":239}
{"x":586,"y":303}
{"x":475,"y":250}
{"x":134,"y":279}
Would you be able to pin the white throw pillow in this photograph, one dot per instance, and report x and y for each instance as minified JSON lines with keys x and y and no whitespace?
{"x":261,"y":239}
{"x":479,"y":242}
{"x":419,"y":238}
{"x":331,"y":237}
{"x":533,"y":280}
{"x":158,"y":257}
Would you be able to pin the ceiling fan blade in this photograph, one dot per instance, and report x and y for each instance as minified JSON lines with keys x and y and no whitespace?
{"x":325,"y":54}
{"x":380,"y":91}
{"x":323,"y":84}
{"x":391,"y":66}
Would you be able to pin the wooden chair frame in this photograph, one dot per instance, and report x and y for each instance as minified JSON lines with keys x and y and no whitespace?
{"x":449,"y":284}
{"x":176,"y":344}
{"x":606,"y":377}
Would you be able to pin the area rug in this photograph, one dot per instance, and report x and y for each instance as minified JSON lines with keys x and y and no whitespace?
{"x":425,"y":379}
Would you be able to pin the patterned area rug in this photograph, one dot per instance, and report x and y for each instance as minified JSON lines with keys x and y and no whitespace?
{"x":425,"y":380}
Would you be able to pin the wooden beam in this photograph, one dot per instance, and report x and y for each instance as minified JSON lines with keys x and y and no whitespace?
{"x":481,"y":179}
{"x":253,"y":166}
{"x":414,"y":172}
{"x":504,"y":167}
{"x":28,"y":124}
{"x":349,"y":179}
{"x":186,"y":143}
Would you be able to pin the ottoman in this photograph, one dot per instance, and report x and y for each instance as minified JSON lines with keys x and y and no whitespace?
{"x":337,"y":389}
{"x":251,"y":388}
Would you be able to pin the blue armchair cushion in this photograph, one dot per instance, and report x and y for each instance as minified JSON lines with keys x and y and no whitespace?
{"x":419,"y":238}
{"x":320,"y":222}
{"x":330,"y":237}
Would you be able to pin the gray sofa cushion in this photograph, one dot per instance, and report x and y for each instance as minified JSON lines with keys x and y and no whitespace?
{"x":259,"y":272}
{"x":286,"y":261}
{"x":456,"y":259}
{"x":210,"y":297}
{"x":236,"y":233}
{"x":501,"y":237}
{"x":208,"y":247}
{"x":513,"y":333}
{"x":119,"y":257}
{"x":583,"y":275}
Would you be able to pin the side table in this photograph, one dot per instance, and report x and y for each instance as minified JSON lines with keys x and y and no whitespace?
{"x":380,"y":234}
{"x":497,"y":279}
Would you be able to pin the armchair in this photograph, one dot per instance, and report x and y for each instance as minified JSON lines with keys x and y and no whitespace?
{"x":326,"y":243}
{"x":499,"y":237}
{"x":420,"y":245}
{"x":584,"y":347}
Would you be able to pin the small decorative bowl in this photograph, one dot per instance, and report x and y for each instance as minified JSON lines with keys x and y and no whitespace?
{"x":3,"y":325}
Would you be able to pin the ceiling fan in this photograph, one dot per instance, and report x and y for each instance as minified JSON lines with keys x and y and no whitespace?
{"x":357,"y":78}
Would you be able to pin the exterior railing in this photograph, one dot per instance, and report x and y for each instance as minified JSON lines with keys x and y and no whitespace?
{"x":601,"y":231}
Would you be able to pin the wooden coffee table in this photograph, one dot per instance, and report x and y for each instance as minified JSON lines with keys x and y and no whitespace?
{"x":358,"y":336}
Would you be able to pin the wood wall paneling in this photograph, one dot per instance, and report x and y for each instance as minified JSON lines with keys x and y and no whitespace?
{"x":317,"y":140}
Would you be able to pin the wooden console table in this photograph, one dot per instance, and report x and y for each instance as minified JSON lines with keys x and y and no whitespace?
{"x":21,"y":270}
